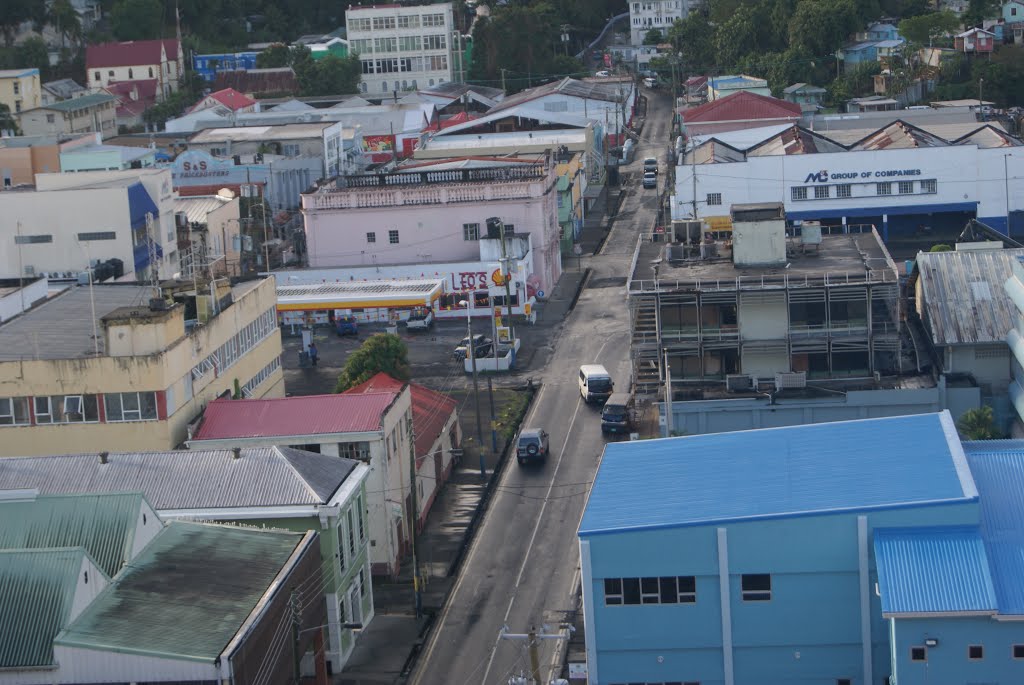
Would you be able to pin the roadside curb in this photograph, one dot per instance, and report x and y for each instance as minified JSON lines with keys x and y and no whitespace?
{"x":579,"y":291}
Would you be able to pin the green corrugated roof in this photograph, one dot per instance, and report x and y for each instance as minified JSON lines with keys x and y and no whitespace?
{"x":186,"y":595}
{"x":80,"y":103}
{"x":103,"y":524}
{"x":37,"y":590}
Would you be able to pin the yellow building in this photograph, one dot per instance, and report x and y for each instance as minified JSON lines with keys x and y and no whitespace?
{"x":132,"y":376}
{"x":20,"y":89}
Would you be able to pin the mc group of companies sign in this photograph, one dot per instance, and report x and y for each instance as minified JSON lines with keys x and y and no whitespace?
{"x":824,"y":176}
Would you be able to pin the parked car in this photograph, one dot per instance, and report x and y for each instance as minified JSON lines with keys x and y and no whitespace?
{"x":651,"y":164}
{"x":533,"y":445}
{"x":617,"y":414}
{"x":650,"y":82}
{"x":420,"y":320}
{"x":482,"y":347}
{"x":603,"y":73}
{"x":595,"y":382}
{"x":346,"y":325}
{"x":650,"y":179}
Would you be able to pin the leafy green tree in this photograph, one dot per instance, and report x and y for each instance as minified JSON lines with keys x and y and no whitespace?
{"x":1003,"y":74}
{"x":335,"y":75}
{"x":693,"y":37}
{"x":7,"y":122}
{"x":978,"y":424}
{"x":381,"y":352}
{"x":924,"y":29}
{"x":137,"y":19}
{"x":857,"y":82}
{"x":736,"y":37}
{"x":654,"y":37}
{"x":274,"y":57}
{"x":979,"y":10}
{"x":32,"y":52}
{"x":821,"y":26}
{"x":13,"y":13}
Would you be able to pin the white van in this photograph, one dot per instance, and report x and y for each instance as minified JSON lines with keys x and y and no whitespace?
{"x":596,"y":383}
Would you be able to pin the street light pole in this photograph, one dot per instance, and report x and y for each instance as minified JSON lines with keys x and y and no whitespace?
{"x":476,"y":385}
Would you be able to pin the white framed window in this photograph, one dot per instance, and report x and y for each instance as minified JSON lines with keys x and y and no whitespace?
{"x":393,"y":237}
{"x":383,"y":23}
{"x":906,"y":187}
{"x":388,"y":44}
{"x":130,"y":406}
{"x":361,"y":24}
{"x":437,"y":42}
{"x":471,"y":231}
{"x":410,"y":21}
{"x":822,"y":192}
{"x":799,"y":192}
{"x":351,"y":533}
{"x":14,"y":411}
{"x":883,"y":188}
{"x":410,"y":44}
{"x":41,"y":407}
{"x":714,"y":198}
{"x":845,"y":190}
{"x":433,"y":19}
{"x":929,"y":186}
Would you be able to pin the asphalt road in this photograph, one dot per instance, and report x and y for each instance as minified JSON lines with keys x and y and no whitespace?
{"x":520,"y":570}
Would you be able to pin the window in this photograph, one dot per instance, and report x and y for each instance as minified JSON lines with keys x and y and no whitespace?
{"x":49,"y":118}
{"x":96,"y":76}
{"x":110,"y":73}
{"x":844,"y":681}
{"x":368,"y":66}
{"x":663,"y":590}
{"x":362,"y":46}
{"x":17,"y":87}
{"x":360,"y":512}
{"x":929,"y":186}
{"x":97,"y":235}
{"x":471,"y":231}
{"x":249,"y":389}
{"x":409,"y":22}
{"x":33,"y":239}
{"x":383,"y":23}
{"x":714,"y":198}
{"x":362,"y":581}
{"x":14,"y":411}
{"x":822,"y":192}
{"x":433,"y":20}
{"x":290,"y":150}
{"x":918,"y":654}
{"x":385,"y":44}
{"x":906,"y":187}
{"x":975,"y":652}
{"x":756,"y":587}
{"x":42,"y":410}
{"x":151,"y":72}
{"x":359,"y":24}
{"x":130,"y":406}
{"x":393,"y":237}
{"x":883,"y":189}
{"x":354,"y":450}
{"x":845,"y":190}
{"x":1018,"y":651}
{"x":409,"y":44}
{"x":437,"y":63}
{"x":799,"y":192}
{"x":131,"y":75}
{"x":351,"y":534}
{"x":435,"y":42}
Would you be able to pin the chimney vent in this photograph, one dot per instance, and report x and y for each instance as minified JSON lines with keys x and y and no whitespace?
{"x":236,"y":452}
{"x":104,"y":457}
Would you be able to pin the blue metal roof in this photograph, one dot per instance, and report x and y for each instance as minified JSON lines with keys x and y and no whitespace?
{"x":140,"y":204}
{"x":998,"y":469}
{"x":933,"y":570}
{"x":778,"y":472}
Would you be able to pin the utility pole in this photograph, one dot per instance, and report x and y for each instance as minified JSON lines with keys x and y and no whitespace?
{"x":503,"y":70}
{"x":417,"y":595}
{"x":668,"y":398}
{"x":476,"y":387}
{"x":295,"y":605}
{"x":533,"y":641}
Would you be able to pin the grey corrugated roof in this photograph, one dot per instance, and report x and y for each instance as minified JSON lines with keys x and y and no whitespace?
{"x":102,"y":524}
{"x":37,"y":591}
{"x":964,"y":300}
{"x":186,"y":595}
{"x":188,"y":479}
{"x":83,"y":102}
{"x":196,"y":207}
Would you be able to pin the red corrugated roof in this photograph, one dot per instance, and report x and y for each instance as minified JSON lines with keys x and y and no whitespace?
{"x":430,"y":409}
{"x":742,"y":106}
{"x":129,"y":54}
{"x":145,"y":89}
{"x":231,"y":98}
{"x":293,"y":416}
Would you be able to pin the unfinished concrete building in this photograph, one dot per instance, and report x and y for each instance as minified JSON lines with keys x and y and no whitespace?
{"x":772,"y":307}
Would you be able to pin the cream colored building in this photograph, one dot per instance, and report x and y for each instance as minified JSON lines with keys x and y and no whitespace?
{"x":209,"y":229}
{"x":95,"y":113}
{"x":158,"y":60}
{"x":20,"y":89}
{"x":133,"y":376}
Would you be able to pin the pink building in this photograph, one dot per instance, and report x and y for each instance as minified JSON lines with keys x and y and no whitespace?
{"x":434,"y":213}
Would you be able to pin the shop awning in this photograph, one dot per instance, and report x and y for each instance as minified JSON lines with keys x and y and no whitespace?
{"x":392,"y":294}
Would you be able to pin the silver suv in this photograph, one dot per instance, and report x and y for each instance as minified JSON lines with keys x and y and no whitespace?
{"x":532,"y":445}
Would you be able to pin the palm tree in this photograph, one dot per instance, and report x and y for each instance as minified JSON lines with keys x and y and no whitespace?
{"x":63,"y":17}
{"x":978,"y":424}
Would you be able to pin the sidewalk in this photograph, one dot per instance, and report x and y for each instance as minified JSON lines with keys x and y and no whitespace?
{"x":386,"y":650}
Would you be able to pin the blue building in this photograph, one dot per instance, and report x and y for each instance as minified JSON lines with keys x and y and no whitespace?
{"x":208,"y":66}
{"x":824,"y":554}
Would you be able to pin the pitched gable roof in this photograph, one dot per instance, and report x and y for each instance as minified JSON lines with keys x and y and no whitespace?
{"x":430,"y":409}
{"x":130,"y":53}
{"x":232,"y":99}
{"x":740,"y":106}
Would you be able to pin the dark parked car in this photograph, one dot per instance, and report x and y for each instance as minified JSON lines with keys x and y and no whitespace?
{"x":347,"y":325}
{"x":532,"y":445}
{"x":482,"y":347}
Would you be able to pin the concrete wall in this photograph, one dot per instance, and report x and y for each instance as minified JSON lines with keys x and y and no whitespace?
{"x":100,"y":118}
{"x":719,"y":416}
{"x":948,"y":661}
{"x":16,"y":302}
{"x":809,"y":631}
{"x":21,"y":90}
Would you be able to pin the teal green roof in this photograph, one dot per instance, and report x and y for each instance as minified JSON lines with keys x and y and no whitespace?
{"x":83,"y":102}
{"x":186,"y":595}
{"x":37,"y":591}
{"x":102,"y":524}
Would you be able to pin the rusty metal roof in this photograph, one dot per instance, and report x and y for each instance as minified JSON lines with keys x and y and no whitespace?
{"x":963,"y":302}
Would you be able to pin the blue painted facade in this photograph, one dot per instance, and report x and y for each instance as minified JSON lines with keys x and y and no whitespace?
{"x":822,"y":620}
{"x":208,"y":66}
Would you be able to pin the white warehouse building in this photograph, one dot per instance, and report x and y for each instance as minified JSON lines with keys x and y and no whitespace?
{"x":404,"y":47}
{"x":900,"y":178}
